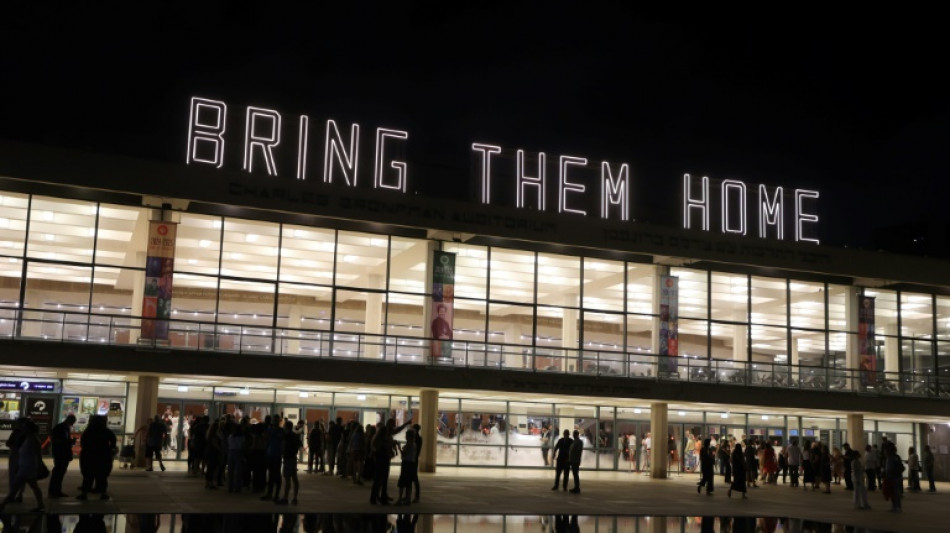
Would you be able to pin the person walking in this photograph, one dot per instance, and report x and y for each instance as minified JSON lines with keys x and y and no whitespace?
{"x":62,"y":444}
{"x":14,"y":441}
{"x":561,"y":458}
{"x":857,"y":480}
{"x":577,"y":451}
{"x":928,"y":462}
{"x":706,"y":463}
{"x":315,"y":448}
{"x":872,"y":464}
{"x":154,"y":442}
{"x":95,"y":459}
{"x":28,"y":467}
{"x":291,"y":447}
{"x":738,"y":471}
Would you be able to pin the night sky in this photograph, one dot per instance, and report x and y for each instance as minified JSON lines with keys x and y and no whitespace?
{"x":849,"y":103}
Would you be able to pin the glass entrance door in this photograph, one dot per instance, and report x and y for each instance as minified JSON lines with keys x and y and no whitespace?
{"x":631,"y":441}
{"x":178,"y":416}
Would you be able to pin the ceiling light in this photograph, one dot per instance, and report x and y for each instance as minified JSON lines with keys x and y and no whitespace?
{"x":182,"y":388}
{"x":361,"y":397}
{"x":244,"y":391}
{"x":250,"y":237}
{"x":204,"y":243}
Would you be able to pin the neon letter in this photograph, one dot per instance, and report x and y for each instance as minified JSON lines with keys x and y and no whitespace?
{"x":741,"y":189}
{"x":771,"y":212}
{"x":400,"y":166}
{"x":333,"y":151}
{"x":565,"y":186}
{"x":802,"y":217}
{"x":690,"y":203}
{"x":302,"y":143}
{"x":487,"y":150}
{"x":253,"y":139}
{"x":615,"y":191}
{"x":206,"y":123}
{"x":529,"y":181}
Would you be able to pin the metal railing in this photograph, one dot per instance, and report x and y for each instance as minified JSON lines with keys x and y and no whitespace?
{"x":118,"y":330}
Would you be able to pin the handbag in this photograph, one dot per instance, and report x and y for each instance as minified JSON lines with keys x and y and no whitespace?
{"x":42,"y":471}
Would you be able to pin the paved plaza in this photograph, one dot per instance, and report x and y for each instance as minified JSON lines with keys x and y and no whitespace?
{"x":499,"y":491}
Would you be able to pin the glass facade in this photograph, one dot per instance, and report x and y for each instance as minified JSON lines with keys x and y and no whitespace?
{"x":73,"y":270}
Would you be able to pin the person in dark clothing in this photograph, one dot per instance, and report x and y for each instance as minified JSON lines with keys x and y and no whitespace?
{"x":577,"y":451}
{"x":14,"y":441}
{"x":383,"y":449}
{"x":738,"y":471}
{"x":275,"y":447}
{"x":707,"y":460}
{"x":562,"y":459}
{"x":848,"y":457}
{"x":335,"y":433}
{"x":62,"y":443}
{"x":415,"y":481}
{"x":199,"y":441}
{"x":28,"y":466}
{"x":154,"y":441}
{"x":214,"y":454}
{"x":291,"y":446}
{"x":315,"y":448}
{"x":95,"y":458}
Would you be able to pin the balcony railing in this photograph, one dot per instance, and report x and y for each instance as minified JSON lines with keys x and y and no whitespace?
{"x":117,"y":330}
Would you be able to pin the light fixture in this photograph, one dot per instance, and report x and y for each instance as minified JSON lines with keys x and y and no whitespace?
{"x":682,"y":413}
{"x":303,"y":394}
{"x":724,"y":415}
{"x":182,"y":388}
{"x":637,"y":411}
{"x":361,"y":397}
{"x":765,"y":417}
{"x":244,"y":392}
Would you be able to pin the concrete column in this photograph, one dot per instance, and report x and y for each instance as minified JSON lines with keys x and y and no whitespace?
{"x":565,"y":420}
{"x":146,"y":406}
{"x":425,"y":523}
{"x":138,"y":293}
{"x":793,"y":360}
{"x":891,"y":352}
{"x":740,"y":343}
{"x":659,"y":427}
{"x":373,"y":320}
{"x":428,"y":422}
{"x":569,"y":333}
{"x":856,"y":431}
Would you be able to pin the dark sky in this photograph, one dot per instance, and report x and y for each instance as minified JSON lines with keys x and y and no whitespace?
{"x":852,"y":104}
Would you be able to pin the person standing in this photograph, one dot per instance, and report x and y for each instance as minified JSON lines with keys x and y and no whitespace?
{"x":893,"y":476}
{"x":857,"y":481}
{"x":409,"y":469}
{"x":291,"y":447}
{"x":738,"y":471}
{"x":154,"y":442}
{"x":848,"y":477}
{"x":872,"y":463}
{"x":14,"y":441}
{"x":275,"y":447}
{"x":545,"y":443}
{"x":95,"y":458}
{"x":335,"y":432}
{"x":913,"y":467}
{"x":928,"y":461}
{"x":562,"y":458}
{"x":706,"y":462}
{"x":577,"y":451}
{"x":794,"y":457}
{"x":315,"y":448}
{"x":28,"y":466}
{"x":415,"y":480}
{"x":383,"y":451}
{"x":62,"y":443}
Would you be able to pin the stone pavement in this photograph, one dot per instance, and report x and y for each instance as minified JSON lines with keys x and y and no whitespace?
{"x":493,"y":491}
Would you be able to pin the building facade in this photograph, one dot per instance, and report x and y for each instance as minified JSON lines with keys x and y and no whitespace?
{"x":319,"y":300}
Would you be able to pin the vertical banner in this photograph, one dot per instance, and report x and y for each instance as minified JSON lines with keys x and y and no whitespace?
{"x":442,"y":305}
{"x":867,"y":349}
{"x":159,"y":265}
{"x":669,"y":321}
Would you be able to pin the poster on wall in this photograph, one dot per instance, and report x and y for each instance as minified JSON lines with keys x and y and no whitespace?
{"x":867,"y":349}
{"x":442,"y":305}
{"x":669,"y":321}
{"x":70,"y":405}
{"x":159,"y":264}
{"x":40,"y":410}
{"x":115,"y":415}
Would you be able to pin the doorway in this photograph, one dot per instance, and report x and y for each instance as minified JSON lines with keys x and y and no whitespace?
{"x":631,"y":440}
{"x":177,"y":426}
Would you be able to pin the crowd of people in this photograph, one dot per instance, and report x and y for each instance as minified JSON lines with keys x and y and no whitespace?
{"x":744,"y":464}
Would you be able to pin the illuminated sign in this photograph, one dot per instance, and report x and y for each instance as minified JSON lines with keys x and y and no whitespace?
{"x":46,"y":386}
{"x":581,"y":187}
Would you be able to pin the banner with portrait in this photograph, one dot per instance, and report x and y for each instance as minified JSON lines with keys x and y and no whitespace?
{"x":442,"y":306}
{"x":159,"y":265}
{"x":669,"y":322}
{"x":867,"y":347}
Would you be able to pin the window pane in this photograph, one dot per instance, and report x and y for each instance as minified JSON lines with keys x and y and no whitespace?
{"x":559,"y":281}
{"x":62,"y":230}
{"x":692,"y":337}
{"x":730,"y":294}
{"x":943,"y":317}
{"x":354,"y":310}
{"x":885,"y":311}
{"x":603,"y":332}
{"x":729,"y":342}
{"x":808,"y":347}
{"x":11,"y":271}
{"x":471,"y":269}
{"x":769,"y":301}
{"x":640,"y":333}
{"x":808,"y":305}
{"x":768,"y":345}
{"x":60,"y":296}
{"x":249,"y":249}
{"x":839,"y":304}
{"x":306,"y":254}
{"x":250,"y":305}
{"x":113,"y":302}
{"x":361,"y":260}
{"x":122,"y":236}
{"x":512,"y":275}
{"x":407,"y":265}
{"x":693,"y":289}
{"x":916,"y":315}
{"x":198,"y":244}
{"x":404,"y":316}
{"x":13,"y":213}
{"x":603,"y":284}
{"x":301,"y":310}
